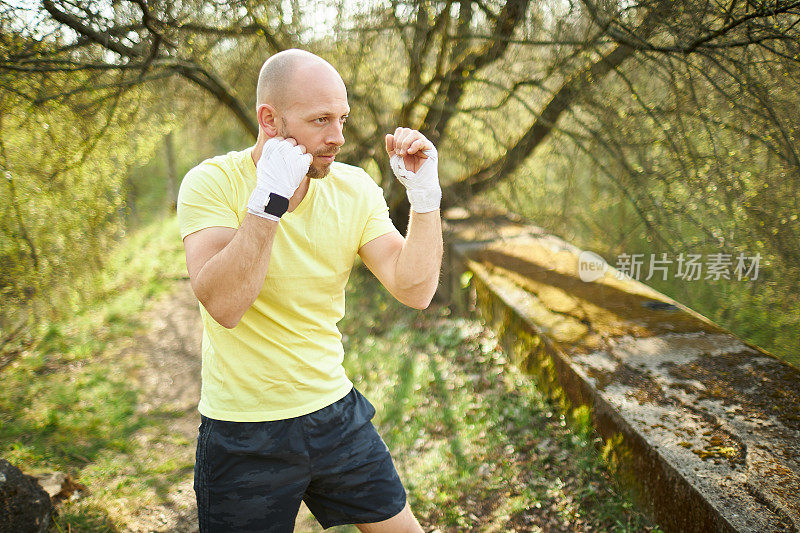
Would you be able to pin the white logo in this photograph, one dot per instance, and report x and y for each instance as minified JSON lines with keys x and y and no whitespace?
{"x":591,"y":266}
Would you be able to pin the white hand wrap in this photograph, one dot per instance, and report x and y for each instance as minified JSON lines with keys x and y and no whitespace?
{"x":422,"y":187}
{"x":279,"y":171}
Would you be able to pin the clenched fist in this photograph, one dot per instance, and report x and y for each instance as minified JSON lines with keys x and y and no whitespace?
{"x":280,"y":171}
{"x":414,"y":161}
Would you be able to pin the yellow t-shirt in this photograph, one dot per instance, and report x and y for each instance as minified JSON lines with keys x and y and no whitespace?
{"x":284,"y":358}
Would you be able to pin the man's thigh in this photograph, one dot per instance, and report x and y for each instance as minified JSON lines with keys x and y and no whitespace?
{"x":249,"y":476}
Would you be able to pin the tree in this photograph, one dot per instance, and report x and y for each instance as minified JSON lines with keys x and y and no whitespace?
{"x":679,"y":116}
{"x":489,"y":82}
{"x":447,"y":51}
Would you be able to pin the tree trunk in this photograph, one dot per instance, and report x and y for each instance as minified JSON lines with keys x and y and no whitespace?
{"x":172,"y":172}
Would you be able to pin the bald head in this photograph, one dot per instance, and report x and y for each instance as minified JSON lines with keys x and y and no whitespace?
{"x":288,"y":69}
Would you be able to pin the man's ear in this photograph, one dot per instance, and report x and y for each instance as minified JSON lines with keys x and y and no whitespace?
{"x":267,"y":120}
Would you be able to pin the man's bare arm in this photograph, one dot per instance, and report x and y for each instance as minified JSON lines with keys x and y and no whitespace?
{"x":227,"y":266}
{"x":408,"y":268}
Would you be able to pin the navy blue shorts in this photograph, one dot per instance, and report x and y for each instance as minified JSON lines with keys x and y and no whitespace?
{"x":252,"y":476}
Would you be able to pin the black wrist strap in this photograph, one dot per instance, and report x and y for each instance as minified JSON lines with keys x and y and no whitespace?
{"x":277,"y":205}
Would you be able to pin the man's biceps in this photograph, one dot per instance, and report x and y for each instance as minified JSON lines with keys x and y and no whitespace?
{"x":382,"y":250}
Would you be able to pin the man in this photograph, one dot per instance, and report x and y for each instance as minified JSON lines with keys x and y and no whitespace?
{"x":271,"y":234}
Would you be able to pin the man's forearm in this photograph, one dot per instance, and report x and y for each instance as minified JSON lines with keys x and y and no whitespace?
{"x":420,"y":259}
{"x":229,"y":282}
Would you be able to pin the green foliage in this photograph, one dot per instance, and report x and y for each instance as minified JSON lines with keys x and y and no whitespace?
{"x":692,"y":152}
{"x":64,"y":171}
{"x":71,"y":402}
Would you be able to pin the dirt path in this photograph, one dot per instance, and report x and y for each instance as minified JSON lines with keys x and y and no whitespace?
{"x":170,"y":382}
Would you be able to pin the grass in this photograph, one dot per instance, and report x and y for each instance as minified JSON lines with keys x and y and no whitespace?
{"x":69,"y":402}
{"x":478,"y":447}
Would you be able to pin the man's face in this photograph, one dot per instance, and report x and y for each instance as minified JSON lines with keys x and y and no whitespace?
{"x":314,"y":116}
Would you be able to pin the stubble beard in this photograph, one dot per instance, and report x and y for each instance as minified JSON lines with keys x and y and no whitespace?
{"x":316,"y":173}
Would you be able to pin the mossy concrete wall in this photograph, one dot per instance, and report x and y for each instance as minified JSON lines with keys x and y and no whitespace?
{"x":701,"y":426}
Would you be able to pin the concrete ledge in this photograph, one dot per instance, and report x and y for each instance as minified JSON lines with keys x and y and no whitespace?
{"x":703,"y":427}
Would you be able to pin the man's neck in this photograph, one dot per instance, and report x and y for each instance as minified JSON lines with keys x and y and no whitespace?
{"x":301,"y":191}
{"x":299,"y":194}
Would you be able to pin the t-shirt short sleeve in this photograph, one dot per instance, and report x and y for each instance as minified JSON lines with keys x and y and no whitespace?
{"x":202,"y":202}
{"x":378,"y":221}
